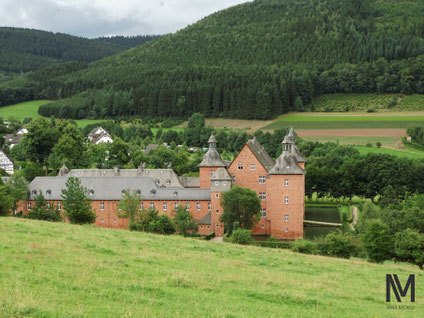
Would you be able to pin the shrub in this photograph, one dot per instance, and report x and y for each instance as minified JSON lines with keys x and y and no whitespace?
{"x":378,"y":144}
{"x":336,"y":244}
{"x":162,"y":225}
{"x":184,"y":221}
{"x":210,"y":236}
{"x":274,"y":244}
{"x":378,"y":241}
{"x":304,"y":246}
{"x":409,"y":247}
{"x":241,"y":236}
{"x":369,"y":144}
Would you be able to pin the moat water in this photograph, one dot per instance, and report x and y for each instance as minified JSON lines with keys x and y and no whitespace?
{"x":322,"y":214}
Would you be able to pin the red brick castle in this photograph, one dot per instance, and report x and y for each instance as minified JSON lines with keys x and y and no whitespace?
{"x":279,"y":184}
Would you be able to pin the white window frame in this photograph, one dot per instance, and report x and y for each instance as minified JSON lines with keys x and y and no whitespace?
{"x":165,"y":206}
{"x":252,"y":166}
{"x":152,"y":205}
{"x":29,"y":205}
{"x":102,"y":206}
{"x":286,"y":182}
{"x":286,"y":200}
{"x":59,"y":206}
{"x":262,"y":179}
{"x":240,"y":166}
{"x":141,"y":206}
{"x":209,"y":206}
{"x":198,"y":206}
{"x":211,"y":172}
{"x":217,"y":195}
{"x":262,"y":196}
{"x":187,"y":206}
{"x":176,"y":205}
{"x":263,"y":212}
{"x":286,"y":218}
{"x":217,"y":211}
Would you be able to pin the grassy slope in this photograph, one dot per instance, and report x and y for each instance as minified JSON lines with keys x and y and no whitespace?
{"x":409,"y":152}
{"x":363,"y":102}
{"x":30,"y":110}
{"x":61,"y":270}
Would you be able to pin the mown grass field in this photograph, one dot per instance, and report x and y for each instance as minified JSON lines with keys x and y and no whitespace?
{"x":355,"y":140}
{"x":347,"y":121}
{"x":408,"y":152}
{"x":364,"y":102}
{"x":62,"y":270}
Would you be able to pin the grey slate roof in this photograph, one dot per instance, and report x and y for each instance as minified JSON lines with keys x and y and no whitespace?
{"x":287,"y":164}
{"x":162,"y":177}
{"x":260,"y":153}
{"x":206,"y":220}
{"x":221,"y":174}
{"x":110,"y":188}
{"x":212,"y":159}
{"x":13,"y":139}
{"x":297,"y":154}
{"x":190,"y":182}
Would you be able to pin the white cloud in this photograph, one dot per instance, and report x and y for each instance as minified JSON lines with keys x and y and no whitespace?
{"x":93,"y":18}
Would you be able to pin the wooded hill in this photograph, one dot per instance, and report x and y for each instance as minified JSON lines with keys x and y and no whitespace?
{"x":254,"y":61}
{"x":24,"y":50}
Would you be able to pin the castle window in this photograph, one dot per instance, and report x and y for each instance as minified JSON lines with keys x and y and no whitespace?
{"x":115,"y":220}
{"x":29,"y":205}
{"x":141,"y":205}
{"x":217,"y":211}
{"x":286,"y":200}
{"x":103,"y":221}
{"x":240,"y":166}
{"x":262,"y":195}
{"x":216,"y":183}
{"x":263,"y":212}
{"x":209,"y":206}
{"x":201,"y":227}
{"x":59,"y":206}
{"x":152,"y":206}
{"x":212,"y":172}
{"x":262,"y":226}
{"x":217,"y":195}
{"x":198,"y":206}
{"x":252,"y":166}
{"x":176,"y":205}
{"x":217,"y":225}
{"x":286,"y":182}
{"x":287,"y":230}
{"x":262,"y":179}
{"x":165,"y":206}
{"x":209,"y":227}
{"x":234,"y":179}
{"x":286,"y":217}
{"x":187,"y":206}
{"x":102,"y":206}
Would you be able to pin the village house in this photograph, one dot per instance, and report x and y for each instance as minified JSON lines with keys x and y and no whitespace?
{"x":99,"y":135}
{"x":279,"y":184}
{"x":15,"y":139}
{"x":5,"y":163}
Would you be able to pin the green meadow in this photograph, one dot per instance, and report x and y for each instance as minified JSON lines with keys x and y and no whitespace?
{"x":63,"y":270}
{"x":22,"y":110}
{"x":348,"y":121}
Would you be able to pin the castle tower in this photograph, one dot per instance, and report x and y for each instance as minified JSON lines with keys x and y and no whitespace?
{"x":286,"y":192}
{"x":220,"y":182}
{"x":210,"y":163}
{"x":290,"y":140}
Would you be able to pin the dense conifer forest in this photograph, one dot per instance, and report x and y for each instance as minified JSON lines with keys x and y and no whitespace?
{"x":254,"y":61}
{"x":24,"y":50}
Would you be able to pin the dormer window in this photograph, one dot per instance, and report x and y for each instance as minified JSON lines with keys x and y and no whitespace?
{"x":175,"y":193}
{"x":91,"y":192}
{"x":153,"y":193}
{"x":34,"y":192}
{"x":138,"y":191}
{"x":48,"y":192}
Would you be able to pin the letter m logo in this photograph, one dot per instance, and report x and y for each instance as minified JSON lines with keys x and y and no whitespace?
{"x":397,"y":288}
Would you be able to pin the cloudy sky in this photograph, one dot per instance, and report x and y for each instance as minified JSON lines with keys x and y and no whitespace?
{"x":92,"y":18}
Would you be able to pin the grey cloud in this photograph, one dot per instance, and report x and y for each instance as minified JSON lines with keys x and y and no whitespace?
{"x":92,"y":18}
